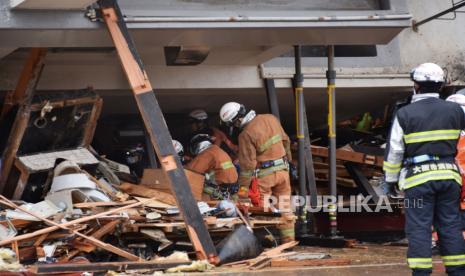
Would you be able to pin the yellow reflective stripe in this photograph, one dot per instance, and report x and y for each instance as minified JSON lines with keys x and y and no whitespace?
{"x":391,"y":165}
{"x":267,"y":171}
{"x":289,"y":232}
{"x":433,"y":135}
{"x":391,"y":170}
{"x":453,"y":260}
{"x":421,"y":178}
{"x":452,"y":263}
{"x":227,"y":165}
{"x":246,"y":173}
{"x":420,"y":262}
{"x":273,"y":140}
{"x":453,"y":257}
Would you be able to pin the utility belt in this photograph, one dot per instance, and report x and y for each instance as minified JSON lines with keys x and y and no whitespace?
{"x":420,"y":169}
{"x":268,"y":167}
{"x":426,"y":158}
{"x":220,"y":192}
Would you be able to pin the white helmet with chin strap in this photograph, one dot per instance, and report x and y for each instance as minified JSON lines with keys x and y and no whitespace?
{"x":199,"y":143}
{"x":427,"y":72}
{"x":178,"y":147}
{"x":232,"y":111}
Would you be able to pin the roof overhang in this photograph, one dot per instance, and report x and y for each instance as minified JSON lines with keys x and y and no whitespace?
{"x":66,"y":28}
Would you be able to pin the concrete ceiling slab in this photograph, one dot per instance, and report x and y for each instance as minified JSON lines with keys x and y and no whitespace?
{"x":51,"y":4}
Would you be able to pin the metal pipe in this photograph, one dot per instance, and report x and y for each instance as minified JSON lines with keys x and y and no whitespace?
{"x":300,"y":105}
{"x":280,"y":76}
{"x":331,"y":80}
{"x":175,"y":19}
{"x":272,"y":98}
{"x":415,"y":24}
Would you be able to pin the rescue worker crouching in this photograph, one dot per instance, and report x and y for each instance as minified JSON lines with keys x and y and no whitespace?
{"x":264,"y":151}
{"x":209,"y":159}
{"x":420,"y":159}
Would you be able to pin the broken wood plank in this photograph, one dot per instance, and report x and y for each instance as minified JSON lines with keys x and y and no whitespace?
{"x":92,"y":240}
{"x":99,"y":234}
{"x":352,"y":156}
{"x":279,"y":249}
{"x":102,"y":204}
{"x":140,"y":190}
{"x":157,"y":179}
{"x":154,"y":203}
{"x":58,"y":268}
{"x":310,"y":262}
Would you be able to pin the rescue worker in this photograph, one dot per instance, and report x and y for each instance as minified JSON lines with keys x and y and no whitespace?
{"x":199,"y":125}
{"x":459,"y":98}
{"x":264,"y":151}
{"x":210,"y":160}
{"x":180,"y":151}
{"x":419,"y":158}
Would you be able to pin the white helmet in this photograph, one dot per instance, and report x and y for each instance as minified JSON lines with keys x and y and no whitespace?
{"x":427,"y":72}
{"x":198,"y":114}
{"x":199,"y":143}
{"x":230,"y":111}
{"x":458,"y":97}
{"x":178,"y":147}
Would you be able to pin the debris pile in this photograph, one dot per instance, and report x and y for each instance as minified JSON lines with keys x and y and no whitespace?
{"x":85,"y":215}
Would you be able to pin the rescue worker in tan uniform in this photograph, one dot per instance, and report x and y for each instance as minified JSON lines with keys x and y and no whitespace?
{"x":264,"y":151}
{"x":210,"y":160}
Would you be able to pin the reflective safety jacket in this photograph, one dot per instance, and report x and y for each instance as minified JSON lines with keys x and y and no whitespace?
{"x":263,"y":139}
{"x":427,"y":127}
{"x":217,"y":163}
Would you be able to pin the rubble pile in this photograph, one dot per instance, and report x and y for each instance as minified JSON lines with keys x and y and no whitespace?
{"x":86,"y":216}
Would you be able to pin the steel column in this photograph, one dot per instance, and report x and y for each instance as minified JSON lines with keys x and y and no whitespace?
{"x":299,"y":106}
{"x":272,"y":97}
{"x":331,"y":89}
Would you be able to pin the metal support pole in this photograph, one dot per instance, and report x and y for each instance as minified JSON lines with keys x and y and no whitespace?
{"x":331,"y":88}
{"x":300,"y":105}
{"x":272,"y":98}
{"x":415,"y":24}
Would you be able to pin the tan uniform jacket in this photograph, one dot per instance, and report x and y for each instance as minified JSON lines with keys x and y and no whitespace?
{"x":220,"y":138}
{"x":214,"y":159}
{"x":263,"y":139}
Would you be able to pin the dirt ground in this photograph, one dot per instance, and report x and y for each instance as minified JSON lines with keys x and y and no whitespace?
{"x":366,"y":259}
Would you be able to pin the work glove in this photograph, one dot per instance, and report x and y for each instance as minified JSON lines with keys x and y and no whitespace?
{"x":390,"y":190}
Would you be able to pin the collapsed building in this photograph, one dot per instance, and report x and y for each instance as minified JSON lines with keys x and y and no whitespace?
{"x":201,"y":54}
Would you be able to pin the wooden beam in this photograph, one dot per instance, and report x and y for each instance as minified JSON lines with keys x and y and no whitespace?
{"x":158,"y":131}
{"x":17,"y":96}
{"x":48,"y":269}
{"x":23,"y":95}
{"x":352,"y":156}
